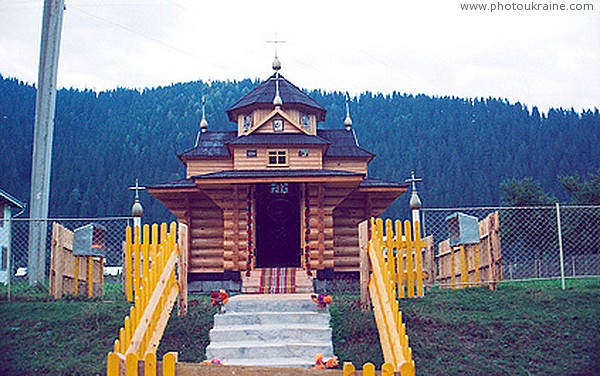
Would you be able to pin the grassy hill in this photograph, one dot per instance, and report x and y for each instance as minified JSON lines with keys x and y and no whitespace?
{"x":521,"y":329}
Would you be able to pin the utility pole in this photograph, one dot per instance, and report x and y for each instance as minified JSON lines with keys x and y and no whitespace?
{"x":45,"y":104}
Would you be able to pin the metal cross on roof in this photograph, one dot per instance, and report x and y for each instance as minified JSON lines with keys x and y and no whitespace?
{"x":413,"y":180}
{"x":137,"y":189}
{"x":275,"y":42}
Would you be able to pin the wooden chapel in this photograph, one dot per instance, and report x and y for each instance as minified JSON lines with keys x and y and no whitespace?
{"x":276,"y":192}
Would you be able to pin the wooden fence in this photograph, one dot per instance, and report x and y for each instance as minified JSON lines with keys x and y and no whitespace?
{"x":71,"y":274}
{"x":155,"y":277}
{"x":170,"y":366}
{"x":473,"y":264}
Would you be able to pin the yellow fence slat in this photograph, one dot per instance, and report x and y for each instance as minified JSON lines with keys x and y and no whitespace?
{"x":169,"y":362}
{"x":131,"y":365}
{"x":127,"y":275}
{"x":112,"y":364}
{"x":368,"y":369}
{"x":348,"y":369}
{"x":150,"y":364}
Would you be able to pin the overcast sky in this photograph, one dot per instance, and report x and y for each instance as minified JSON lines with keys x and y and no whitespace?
{"x":542,"y":58}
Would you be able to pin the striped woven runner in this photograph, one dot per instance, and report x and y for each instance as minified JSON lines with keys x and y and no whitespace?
{"x":277,"y":281}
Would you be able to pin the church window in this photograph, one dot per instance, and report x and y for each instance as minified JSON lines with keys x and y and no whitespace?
{"x":247,"y":122}
{"x":305,"y":121}
{"x":277,"y":158}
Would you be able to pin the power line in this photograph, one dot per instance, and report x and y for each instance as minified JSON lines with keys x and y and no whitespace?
{"x":134,"y":32}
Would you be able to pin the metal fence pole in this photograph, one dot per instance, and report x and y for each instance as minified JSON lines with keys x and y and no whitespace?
{"x":8,"y":257}
{"x":560,"y":248}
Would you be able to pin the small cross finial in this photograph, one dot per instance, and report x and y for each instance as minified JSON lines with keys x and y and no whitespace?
{"x":348,"y":120}
{"x":275,"y":42}
{"x":415,"y":201}
{"x":413,"y":180}
{"x":137,"y":189}
{"x":203,"y":122}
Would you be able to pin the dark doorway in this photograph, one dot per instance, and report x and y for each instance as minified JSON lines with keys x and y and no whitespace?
{"x":277,"y":225}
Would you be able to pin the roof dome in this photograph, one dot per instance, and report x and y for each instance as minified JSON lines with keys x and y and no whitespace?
{"x":276,"y":64}
{"x":415,"y":201}
{"x":137,"y":210}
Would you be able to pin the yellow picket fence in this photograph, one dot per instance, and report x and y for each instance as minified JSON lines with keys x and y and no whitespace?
{"x":151,"y":282}
{"x":170,"y":367}
{"x":397,"y":271}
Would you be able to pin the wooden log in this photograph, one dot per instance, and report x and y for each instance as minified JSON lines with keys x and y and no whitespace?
{"x":207,"y":243}
{"x":216,"y":262}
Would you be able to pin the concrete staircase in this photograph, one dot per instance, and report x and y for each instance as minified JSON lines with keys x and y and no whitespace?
{"x":251,"y":285}
{"x":277,"y":330}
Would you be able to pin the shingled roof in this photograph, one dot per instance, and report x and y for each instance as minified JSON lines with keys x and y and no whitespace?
{"x":276,"y":174}
{"x":278,"y":139}
{"x":264,"y":93}
{"x":343,"y":144}
{"x":210,"y":144}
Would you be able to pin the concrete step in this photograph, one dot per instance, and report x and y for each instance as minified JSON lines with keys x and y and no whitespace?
{"x":304,"y":362}
{"x":271,"y":303}
{"x":271,"y":333}
{"x":264,"y":350}
{"x":271,"y":318}
{"x":277,"y":330}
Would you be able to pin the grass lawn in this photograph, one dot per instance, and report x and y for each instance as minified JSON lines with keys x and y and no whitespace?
{"x":521,"y":329}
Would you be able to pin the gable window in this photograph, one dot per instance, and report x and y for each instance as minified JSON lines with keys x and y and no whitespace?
{"x":305,"y":121}
{"x":277,"y":158}
{"x":277,"y":125}
{"x":247,"y":122}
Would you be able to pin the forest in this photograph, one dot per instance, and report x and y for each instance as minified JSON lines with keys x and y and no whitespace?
{"x":463,"y":148}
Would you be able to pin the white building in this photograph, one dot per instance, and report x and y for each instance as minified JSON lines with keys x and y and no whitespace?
{"x":7,"y":204}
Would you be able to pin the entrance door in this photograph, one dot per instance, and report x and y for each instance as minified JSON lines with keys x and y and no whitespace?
{"x":277,"y":225}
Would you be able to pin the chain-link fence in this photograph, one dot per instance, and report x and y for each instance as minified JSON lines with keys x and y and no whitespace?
{"x":26,"y":272}
{"x":536,"y":242}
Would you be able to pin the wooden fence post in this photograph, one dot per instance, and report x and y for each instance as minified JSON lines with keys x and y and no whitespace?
{"x":365,"y":265}
{"x":182,"y":268}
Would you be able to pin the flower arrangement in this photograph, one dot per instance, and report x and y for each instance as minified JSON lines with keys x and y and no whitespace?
{"x":212,"y":361}
{"x":321,"y":363}
{"x":322,"y":300}
{"x":219,"y":299}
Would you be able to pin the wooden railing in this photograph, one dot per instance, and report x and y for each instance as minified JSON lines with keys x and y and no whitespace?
{"x":396,"y":272}
{"x":155,"y":276}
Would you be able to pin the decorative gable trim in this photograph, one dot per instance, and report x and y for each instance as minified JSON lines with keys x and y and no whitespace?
{"x":271,"y":116}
